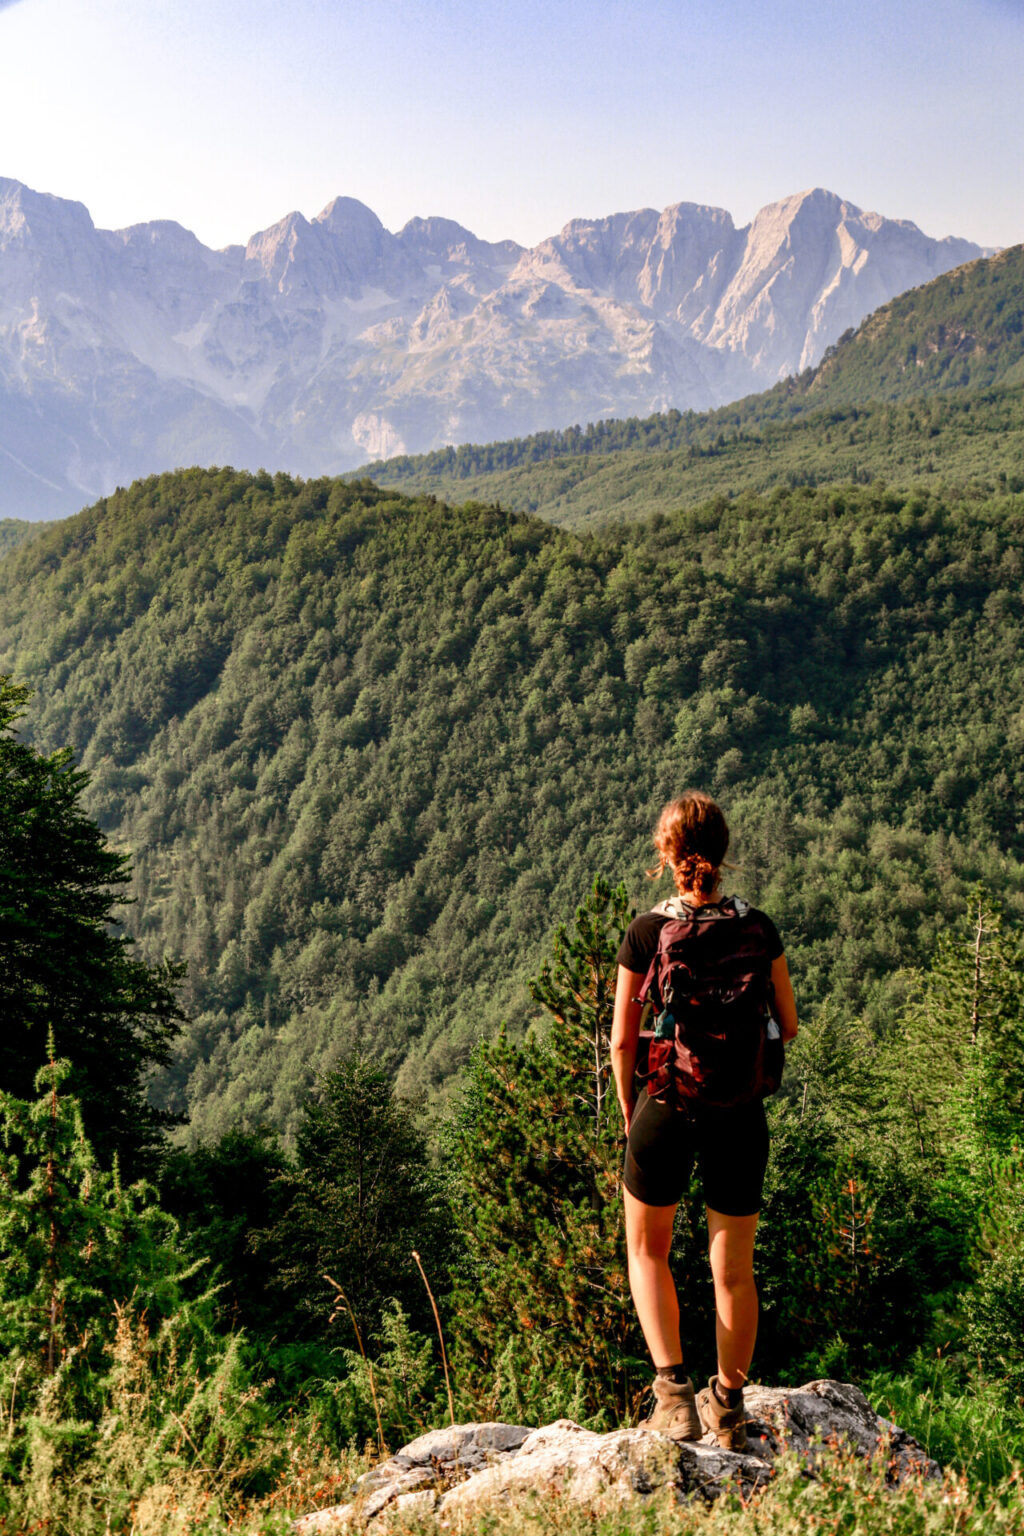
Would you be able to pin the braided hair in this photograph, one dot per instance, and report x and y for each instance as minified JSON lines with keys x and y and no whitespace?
{"x":691,"y":839}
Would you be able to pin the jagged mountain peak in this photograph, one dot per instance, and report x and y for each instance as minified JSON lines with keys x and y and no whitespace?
{"x":635,"y":223}
{"x":337,"y":254}
{"x":442,"y":241}
{"x":436,"y":233}
{"x":21,"y":209}
{"x":346,"y":215}
{"x":288,"y":228}
{"x":690,"y":214}
{"x":324,"y":340}
{"x":165,"y":233}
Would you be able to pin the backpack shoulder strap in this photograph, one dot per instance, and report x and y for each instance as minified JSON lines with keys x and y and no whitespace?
{"x":675,"y":906}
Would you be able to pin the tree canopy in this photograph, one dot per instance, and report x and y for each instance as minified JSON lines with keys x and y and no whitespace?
{"x":63,"y":966}
{"x":364,"y":748}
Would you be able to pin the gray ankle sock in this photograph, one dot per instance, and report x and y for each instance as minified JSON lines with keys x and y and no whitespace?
{"x":675,"y":1373}
{"x":729,"y":1397}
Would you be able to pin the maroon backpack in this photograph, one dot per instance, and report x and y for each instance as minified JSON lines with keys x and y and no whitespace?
{"x":709,"y":992}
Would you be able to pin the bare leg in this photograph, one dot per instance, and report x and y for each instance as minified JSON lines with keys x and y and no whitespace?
{"x":731,"y":1246}
{"x":648,"y":1240}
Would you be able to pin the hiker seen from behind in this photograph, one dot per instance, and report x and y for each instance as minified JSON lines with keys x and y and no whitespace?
{"x":703,"y":1007}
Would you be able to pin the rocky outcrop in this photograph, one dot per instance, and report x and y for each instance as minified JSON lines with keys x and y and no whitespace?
{"x":326,"y":341}
{"x":475,"y":1464}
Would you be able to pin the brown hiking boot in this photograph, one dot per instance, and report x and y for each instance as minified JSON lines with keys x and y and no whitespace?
{"x":728,"y":1425}
{"x":675,"y":1411}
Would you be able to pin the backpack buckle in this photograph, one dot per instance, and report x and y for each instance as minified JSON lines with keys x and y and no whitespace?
{"x":664,"y":1025}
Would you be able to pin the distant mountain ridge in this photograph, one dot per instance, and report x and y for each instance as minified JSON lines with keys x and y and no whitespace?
{"x":323,"y":342}
{"x":929,"y":388}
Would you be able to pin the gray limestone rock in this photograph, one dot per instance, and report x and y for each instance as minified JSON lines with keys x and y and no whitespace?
{"x":470,"y":1464}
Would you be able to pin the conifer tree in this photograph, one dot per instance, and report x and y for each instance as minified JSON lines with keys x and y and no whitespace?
{"x":544,"y":1315}
{"x":360,"y":1198}
{"x":62,"y":966}
{"x":112,"y":1376}
{"x":956,"y":1061}
{"x":76,"y":1241}
{"x":222,"y":1194}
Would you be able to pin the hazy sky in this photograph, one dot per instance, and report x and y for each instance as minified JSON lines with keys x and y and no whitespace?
{"x":513,"y":116}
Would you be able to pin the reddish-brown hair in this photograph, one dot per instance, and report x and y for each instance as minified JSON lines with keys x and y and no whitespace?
{"x":692,"y":840}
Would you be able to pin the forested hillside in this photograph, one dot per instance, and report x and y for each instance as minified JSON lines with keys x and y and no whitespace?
{"x":888,"y":401}
{"x":14,"y":531}
{"x":366,"y":750}
{"x":624,"y":471}
{"x":964,"y":330}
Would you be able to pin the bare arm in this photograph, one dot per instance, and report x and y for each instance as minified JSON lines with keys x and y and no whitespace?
{"x":625,"y":1032}
{"x":785,"y":1002}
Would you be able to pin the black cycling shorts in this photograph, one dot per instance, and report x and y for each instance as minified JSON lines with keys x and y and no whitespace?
{"x":730,"y":1147}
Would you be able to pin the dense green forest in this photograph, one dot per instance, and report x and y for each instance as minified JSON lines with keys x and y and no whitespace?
{"x":974,"y":439}
{"x":365,"y":749}
{"x":301,"y":786}
{"x":226,"y":1348}
{"x":886,"y":402}
{"x":13,"y":531}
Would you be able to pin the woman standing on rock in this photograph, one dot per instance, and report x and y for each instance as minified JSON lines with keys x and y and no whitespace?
{"x":714,"y":974}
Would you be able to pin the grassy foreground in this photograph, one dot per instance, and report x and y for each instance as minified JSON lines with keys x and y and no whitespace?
{"x":847,"y":1497}
{"x":981,"y":1490}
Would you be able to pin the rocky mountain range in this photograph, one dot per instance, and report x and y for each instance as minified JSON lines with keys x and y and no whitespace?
{"x":321,"y":344}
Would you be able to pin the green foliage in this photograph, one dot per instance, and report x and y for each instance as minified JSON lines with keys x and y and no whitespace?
{"x":402,"y":1384}
{"x":957,"y":1058}
{"x":111,"y":1376}
{"x":61,"y":965}
{"x":365,"y":748}
{"x":994,"y":1305}
{"x":359,"y":1199}
{"x":961,"y":1418}
{"x":843,"y":1265}
{"x":543,"y":1313}
{"x":222,"y":1196}
{"x":892,"y":1207}
{"x":952,"y":444}
{"x":925,"y":392}
{"x":74,"y":1239}
{"x":14,"y":531}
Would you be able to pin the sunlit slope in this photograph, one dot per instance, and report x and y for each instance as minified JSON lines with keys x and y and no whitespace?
{"x":964,"y":330}
{"x":367,"y":750}
{"x":928,"y":390}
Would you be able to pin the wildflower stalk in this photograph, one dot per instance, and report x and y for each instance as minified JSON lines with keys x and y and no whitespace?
{"x":362,"y":1351}
{"x":440,"y":1335}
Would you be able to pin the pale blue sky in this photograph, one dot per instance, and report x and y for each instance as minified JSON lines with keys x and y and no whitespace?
{"x":513,"y":116}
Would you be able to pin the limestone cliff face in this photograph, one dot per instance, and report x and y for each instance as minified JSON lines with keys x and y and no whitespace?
{"x":325,"y":342}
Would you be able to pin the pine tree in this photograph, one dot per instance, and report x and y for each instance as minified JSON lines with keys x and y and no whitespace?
{"x":62,"y":966}
{"x":76,"y":1240}
{"x":956,"y":1061}
{"x":361,"y":1196}
{"x":111,"y":1374}
{"x":544,"y":1317}
{"x":221,"y":1194}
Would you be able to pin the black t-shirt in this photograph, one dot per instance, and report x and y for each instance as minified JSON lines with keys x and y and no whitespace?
{"x":640,"y":943}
